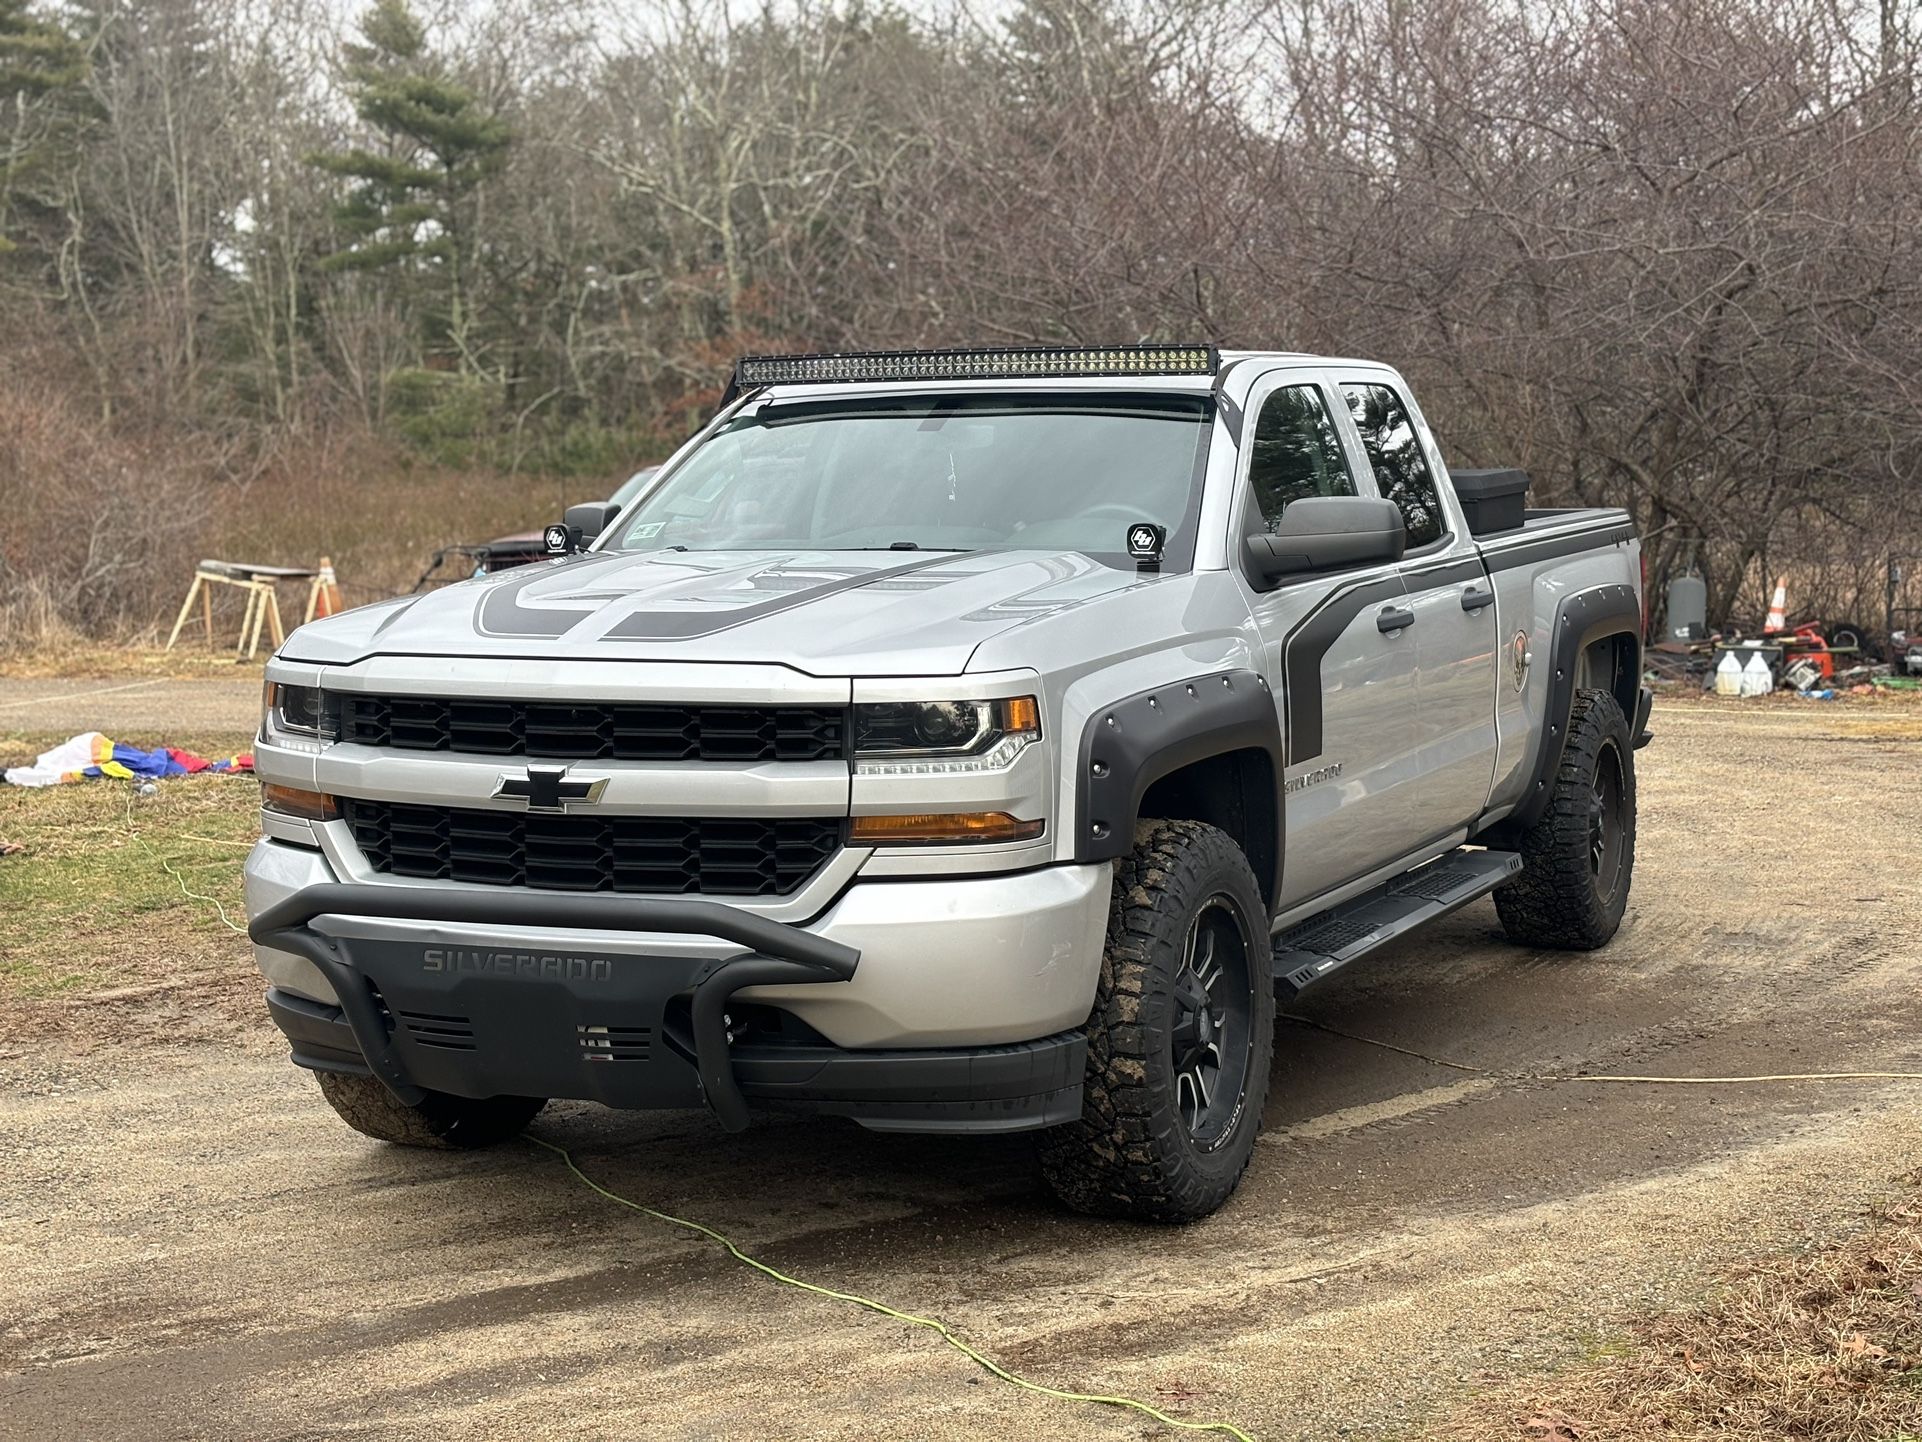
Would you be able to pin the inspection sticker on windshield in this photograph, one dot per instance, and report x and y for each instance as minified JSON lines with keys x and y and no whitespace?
{"x":647,"y":530}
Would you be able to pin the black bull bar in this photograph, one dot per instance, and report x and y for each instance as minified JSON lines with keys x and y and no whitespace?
{"x":780,"y":954}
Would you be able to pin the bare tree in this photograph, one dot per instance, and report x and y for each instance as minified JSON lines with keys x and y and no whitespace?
{"x":1666,"y":254}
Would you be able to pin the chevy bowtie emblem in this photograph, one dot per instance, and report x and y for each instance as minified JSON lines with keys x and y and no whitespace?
{"x":549,"y":788}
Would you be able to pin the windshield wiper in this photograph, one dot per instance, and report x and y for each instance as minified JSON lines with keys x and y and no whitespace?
{"x":902,"y":546}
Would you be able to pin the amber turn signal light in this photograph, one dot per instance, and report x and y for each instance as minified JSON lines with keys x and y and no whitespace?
{"x":291,"y":801}
{"x":1021,"y":714}
{"x":941,"y":827}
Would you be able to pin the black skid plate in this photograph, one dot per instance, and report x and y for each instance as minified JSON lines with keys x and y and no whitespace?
{"x":481,"y":1019}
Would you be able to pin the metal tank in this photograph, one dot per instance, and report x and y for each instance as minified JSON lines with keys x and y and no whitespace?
{"x":1687,"y":608}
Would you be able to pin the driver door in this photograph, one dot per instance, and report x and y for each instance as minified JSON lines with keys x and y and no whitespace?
{"x":1336,"y":653}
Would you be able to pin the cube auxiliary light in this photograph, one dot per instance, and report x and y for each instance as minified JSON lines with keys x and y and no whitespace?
{"x":1002,"y":363}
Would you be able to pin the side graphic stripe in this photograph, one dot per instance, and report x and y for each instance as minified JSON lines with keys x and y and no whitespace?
{"x":1307,"y":644}
{"x":1304,"y":650}
{"x":1562,"y":543}
{"x":1449,"y":573}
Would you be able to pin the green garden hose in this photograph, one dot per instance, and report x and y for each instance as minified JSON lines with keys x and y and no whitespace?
{"x":933,"y":1324}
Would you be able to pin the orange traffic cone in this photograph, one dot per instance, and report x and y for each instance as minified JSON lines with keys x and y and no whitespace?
{"x":1778,"y":610}
{"x":327,"y":600}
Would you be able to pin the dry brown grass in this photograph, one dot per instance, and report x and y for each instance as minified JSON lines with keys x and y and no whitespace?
{"x":79,"y":659}
{"x":1881,"y":701}
{"x":1825,"y":1345}
{"x":103,"y":525}
{"x":378,"y":515}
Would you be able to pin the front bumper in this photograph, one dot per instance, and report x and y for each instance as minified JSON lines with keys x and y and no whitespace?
{"x":938,"y":1005}
{"x":1018,"y":1087}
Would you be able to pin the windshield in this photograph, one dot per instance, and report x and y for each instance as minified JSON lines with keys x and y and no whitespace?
{"x":628,"y":489}
{"x":937,"y":473}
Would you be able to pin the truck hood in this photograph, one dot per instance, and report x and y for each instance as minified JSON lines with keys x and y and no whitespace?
{"x":833,"y":613}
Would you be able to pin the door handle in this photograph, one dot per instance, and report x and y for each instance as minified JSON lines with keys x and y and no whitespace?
{"x":1392,"y":618}
{"x":1475,"y":597}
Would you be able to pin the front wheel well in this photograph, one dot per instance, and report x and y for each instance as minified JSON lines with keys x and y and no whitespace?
{"x":1236,"y":792}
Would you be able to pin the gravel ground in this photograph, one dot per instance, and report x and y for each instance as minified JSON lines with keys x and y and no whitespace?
{"x":191,"y":1246}
{"x":145,"y":710}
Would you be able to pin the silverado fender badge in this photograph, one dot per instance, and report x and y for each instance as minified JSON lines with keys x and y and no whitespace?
{"x":548,"y":788}
{"x":1313,"y":778}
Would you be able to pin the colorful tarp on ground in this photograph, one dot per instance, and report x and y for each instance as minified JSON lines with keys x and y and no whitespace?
{"x":91,"y":755}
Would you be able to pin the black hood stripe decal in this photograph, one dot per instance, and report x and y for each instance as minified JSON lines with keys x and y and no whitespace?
{"x":502,"y":614}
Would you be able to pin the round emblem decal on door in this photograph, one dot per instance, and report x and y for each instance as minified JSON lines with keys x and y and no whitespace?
{"x":1518,"y":654}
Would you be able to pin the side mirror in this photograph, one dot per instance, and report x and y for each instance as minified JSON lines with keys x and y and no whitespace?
{"x":581,"y":524}
{"x":1326,"y":533}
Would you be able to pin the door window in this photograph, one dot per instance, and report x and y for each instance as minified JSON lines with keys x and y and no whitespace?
{"x":1401,"y":470}
{"x":1295,"y":453}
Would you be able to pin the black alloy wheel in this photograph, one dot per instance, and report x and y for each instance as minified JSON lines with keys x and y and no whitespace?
{"x":1180,"y":1037}
{"x":1578,"y":858}
{"x":1607,"y":850}
{"x":1210,"y":1039}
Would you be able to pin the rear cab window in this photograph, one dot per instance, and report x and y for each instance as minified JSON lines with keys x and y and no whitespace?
{"x":1394,"y":450}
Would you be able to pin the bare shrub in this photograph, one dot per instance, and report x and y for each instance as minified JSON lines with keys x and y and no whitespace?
{"x":96,"y":524}
{"x":31,"y":621}
{"x":102,"y":528}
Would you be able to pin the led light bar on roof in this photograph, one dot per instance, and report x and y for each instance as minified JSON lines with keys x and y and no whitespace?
{"x":1008,"y":363}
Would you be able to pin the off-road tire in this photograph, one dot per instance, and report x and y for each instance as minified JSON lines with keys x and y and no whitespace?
{"x":447,"y":1122}
{"x":1131,"y":1154}
{"x":1563,"y":899}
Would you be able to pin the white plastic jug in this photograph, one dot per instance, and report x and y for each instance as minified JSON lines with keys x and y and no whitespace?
{"x":1757,"y":679}
{"x":1728,"y":675}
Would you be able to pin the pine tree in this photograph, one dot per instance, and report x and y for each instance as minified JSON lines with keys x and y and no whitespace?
{"x":413,"y":205}
{"x":43,"y":107}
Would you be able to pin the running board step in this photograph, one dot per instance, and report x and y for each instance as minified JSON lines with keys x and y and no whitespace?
{"x":1328,"y":942}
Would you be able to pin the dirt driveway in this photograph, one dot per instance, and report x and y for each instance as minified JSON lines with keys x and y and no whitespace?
{"x":191,"y":1246}
{"x":149,"y":710}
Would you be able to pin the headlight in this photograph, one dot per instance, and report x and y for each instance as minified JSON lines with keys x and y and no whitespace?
{"x":293,"y":716}
{"x":906,"y":738}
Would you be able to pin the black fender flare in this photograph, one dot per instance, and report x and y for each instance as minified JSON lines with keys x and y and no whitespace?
{"x":1580,"y":621}
{"x":1131,"y":743}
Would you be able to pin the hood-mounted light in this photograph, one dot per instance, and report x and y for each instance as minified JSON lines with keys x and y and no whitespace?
{"x":1146,"y":541}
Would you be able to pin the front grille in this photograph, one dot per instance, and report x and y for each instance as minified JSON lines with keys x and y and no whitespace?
{"x":711,"y":856}
{"x":591,"y":731}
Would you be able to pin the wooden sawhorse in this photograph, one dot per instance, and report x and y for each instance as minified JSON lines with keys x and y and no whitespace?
{"x":263,"y":601}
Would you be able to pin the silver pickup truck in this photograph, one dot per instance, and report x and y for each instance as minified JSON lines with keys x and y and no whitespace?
{"x":957,"y":742}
